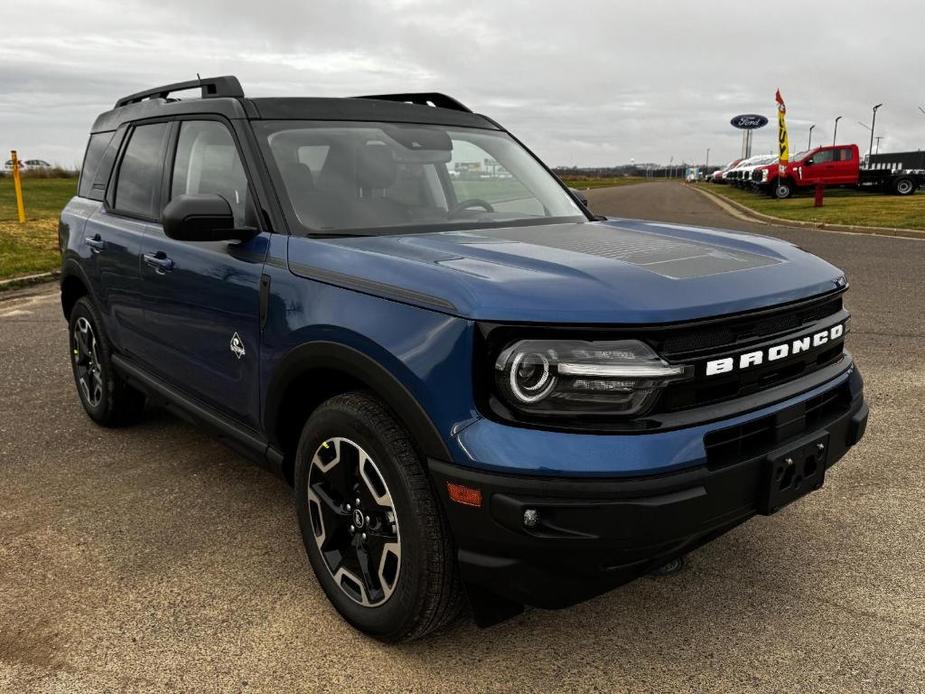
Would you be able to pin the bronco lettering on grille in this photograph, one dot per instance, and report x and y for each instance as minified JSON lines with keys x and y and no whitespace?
{"x":776,"y":352}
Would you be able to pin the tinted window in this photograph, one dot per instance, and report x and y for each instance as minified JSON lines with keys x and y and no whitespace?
{"x":391,"y":178}
{"x":140,"y":171}
{"x":208,"y":162}
{"x":846,"y":154}
{"x":823,"y":157}
{"x":95,"y":149}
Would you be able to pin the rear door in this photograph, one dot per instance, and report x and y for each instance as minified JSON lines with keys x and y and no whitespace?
{"x":202,"y":299}
{"x":113,"y":233}
{"x":846,"y":166}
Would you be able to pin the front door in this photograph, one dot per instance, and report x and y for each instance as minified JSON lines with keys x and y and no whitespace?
{"x":818,"y":168}
{"x":202,"y":330}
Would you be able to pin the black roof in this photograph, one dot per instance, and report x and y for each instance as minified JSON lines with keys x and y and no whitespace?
{"x":223,"y":96}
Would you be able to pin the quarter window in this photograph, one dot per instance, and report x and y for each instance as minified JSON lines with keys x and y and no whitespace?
{"x":96,"y":147}
{"x":207,"y":161}
{"x":140,"y":171}
{"x":846,"y":154}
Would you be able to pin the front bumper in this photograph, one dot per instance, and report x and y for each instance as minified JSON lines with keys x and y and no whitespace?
{"x":597,"y":533}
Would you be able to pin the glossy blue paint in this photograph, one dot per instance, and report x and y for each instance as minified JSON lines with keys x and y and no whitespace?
{"x":210,"y":294}
{"x":426,"y":351}
{"x":493,"y":446}
{"x":489,"y":279}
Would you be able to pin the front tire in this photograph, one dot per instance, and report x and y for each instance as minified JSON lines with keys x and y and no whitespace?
{"x":105,"y":396}
{"x":783,"y":190}
{"x":373,"y":529}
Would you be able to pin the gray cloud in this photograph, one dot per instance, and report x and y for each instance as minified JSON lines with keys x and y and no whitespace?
{"x":582,"y":83}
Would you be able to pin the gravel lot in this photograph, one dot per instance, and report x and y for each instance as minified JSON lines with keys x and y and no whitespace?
{"x":154,"y":558}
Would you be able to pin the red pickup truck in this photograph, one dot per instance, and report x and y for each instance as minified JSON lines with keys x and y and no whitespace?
{"x":838,"y":165}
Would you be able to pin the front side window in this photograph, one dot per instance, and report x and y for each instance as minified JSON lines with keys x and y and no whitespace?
{"x":390,"y":178}
{"x":823,"y":157}
{"x":140,"y":171}
{"x":207,"y":161}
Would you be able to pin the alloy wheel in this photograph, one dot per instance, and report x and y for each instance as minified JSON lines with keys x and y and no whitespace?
{"x":354,"y":521}
{"x":87,"y":362}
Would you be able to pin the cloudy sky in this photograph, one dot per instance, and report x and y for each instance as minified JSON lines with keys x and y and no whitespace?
{"x":583,"y":83}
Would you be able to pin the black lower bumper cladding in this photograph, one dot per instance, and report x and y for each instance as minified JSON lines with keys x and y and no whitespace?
{"x":554,"y":542}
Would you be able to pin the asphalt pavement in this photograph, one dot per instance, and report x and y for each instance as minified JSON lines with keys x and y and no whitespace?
{"x":155,"y":559}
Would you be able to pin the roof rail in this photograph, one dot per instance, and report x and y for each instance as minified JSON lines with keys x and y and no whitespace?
{"x":434,"y":99}
{"x":212,"y":87}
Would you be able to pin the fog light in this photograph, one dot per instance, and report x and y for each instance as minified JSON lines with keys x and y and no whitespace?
{"x":531,"y":518}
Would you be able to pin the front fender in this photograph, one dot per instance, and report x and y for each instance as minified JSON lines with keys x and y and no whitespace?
{"x":390,"y":387}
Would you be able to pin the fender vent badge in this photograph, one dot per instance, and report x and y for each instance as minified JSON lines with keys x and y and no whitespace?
{"x":237,"y":346}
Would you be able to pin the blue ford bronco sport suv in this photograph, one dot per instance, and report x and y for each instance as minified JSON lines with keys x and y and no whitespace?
{"x":480,"y":391}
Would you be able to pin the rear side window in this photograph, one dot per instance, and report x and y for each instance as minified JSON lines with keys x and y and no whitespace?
{"x":846,"y":154}
{"x":140,"y":171}
{"x":95,"y":150}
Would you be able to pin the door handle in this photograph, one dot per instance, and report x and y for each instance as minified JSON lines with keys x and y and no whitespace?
{"x":95,"y":242}
{"x":159,"y":261}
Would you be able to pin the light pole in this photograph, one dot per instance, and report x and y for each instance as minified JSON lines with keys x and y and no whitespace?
{"x":835,"y":133}
{"x":670,"y":166}
{"x":706,"y":165}
{"x":873,"y":125}
{"x":878,"y":138}
{"x":810,"y":144}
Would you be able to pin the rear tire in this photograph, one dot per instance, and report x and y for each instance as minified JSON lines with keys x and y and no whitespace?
{"x":387,"y":563}
{"x":105,"y":396}
{"x":904,"y":186}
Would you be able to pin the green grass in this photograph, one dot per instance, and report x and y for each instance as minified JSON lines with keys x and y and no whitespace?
{"x":489,"y":189}
{"x":32,"y":247}
{"x":840,"y":207}
{"x":582,"y":182}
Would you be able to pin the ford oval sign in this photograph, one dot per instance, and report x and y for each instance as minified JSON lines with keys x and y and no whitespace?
{"x":749,"y":121}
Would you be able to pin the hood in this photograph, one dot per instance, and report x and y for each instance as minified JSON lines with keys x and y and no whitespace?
{"x":616,"y":271}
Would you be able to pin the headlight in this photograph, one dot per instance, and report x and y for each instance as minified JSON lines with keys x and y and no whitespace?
{"x":764,"y":176}
{"x":572,"y":377}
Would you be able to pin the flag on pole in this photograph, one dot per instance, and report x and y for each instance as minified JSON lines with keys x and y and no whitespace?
{"x":782,"y":141}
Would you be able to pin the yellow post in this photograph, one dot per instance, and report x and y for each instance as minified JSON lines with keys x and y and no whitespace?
{"x":17,"y":186}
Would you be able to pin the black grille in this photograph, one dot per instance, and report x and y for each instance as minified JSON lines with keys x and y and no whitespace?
{"x":738,"y":333}
{"x":758,"y":437}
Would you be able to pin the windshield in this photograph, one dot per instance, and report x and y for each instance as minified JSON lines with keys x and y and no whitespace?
{"x":390,"y":178}
{"x":800,"y":156}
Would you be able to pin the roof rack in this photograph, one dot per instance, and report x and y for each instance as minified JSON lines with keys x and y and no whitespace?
{"x":212,"y":87}
{"x":433,"y":99}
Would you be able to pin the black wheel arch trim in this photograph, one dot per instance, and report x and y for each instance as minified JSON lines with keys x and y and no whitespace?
{"x":71,"y":268}
{"x":326,"y":355}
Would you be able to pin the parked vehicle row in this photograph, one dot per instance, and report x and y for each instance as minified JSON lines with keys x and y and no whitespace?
{"x":833,"y":166}
{"x":830,"y":166}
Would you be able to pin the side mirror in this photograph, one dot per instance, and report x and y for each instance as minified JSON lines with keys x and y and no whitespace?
{"x":582,"y":198}
{"x":808,"y":162}
{"x":204,"y":217}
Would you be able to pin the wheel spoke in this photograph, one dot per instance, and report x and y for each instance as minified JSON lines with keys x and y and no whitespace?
{"x":354,"y":521}
{"x":369,"y":571}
